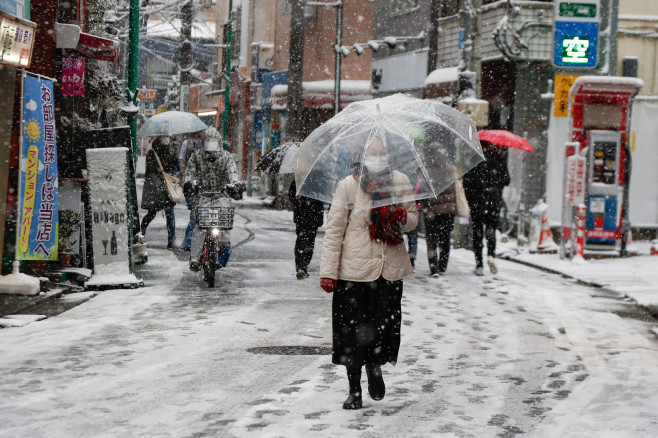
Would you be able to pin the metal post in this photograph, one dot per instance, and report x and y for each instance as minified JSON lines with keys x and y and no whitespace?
{"x":227,"y":72}
{"x":339,"y":55}
{"x":133,"y":69}
{"x":433,"y":32}
{"x":19,"y":197}
{"x":294,"y":124}
{"x":186,"y":62}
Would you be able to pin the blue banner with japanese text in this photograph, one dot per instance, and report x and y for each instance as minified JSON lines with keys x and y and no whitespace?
{"x":39,"y":212}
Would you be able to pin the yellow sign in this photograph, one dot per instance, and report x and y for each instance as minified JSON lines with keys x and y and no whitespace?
{"x":562,"y":85}
{"x":30,"y":196}
{"x":162,"y":109}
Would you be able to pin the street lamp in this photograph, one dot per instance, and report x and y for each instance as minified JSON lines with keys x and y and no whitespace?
{"x":338,"y":49}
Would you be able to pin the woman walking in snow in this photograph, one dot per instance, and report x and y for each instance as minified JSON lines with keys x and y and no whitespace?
{"x":363,"y":262}
{"x":155,"y":196}
{"x":484,"y":190}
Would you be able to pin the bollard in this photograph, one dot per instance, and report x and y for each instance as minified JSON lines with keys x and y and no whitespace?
{"x":580,"y":231}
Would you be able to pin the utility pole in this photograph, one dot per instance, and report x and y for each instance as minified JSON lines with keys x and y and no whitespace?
{"x":294,"y":126}
{"x":467,"y":76}
{"x":339,"y":56}
{"x":185,"y":63}
{"x":433,"y":32}
{"x":227,"y":73}
{"x":133,"y":69}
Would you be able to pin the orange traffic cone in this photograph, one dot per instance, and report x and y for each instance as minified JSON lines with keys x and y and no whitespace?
{"x":546,"y":242}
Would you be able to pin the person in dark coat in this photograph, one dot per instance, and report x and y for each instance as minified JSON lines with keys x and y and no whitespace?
{"x":484,"y":190}
{"x":154,"y":195}
{"x":439,"y":214}
{"x":308,"y":216}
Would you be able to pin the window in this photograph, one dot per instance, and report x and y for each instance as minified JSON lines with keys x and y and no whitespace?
{"x":286,"y":7}
{"x":403,"y":5}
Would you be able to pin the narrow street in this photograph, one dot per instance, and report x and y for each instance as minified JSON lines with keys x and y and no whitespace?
{"x":522,"y":353}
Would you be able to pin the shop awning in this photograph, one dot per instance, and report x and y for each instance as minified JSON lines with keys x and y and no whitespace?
{"x":442,"y":83}
{"x":605,"y":88}
{"x":69,"y":36}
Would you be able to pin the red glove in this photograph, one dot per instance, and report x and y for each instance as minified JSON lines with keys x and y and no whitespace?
{"x":400,"y":215}
{"x":328,"y":284}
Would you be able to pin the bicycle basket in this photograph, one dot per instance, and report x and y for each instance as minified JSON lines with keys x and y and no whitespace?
{"x":215,"y":213}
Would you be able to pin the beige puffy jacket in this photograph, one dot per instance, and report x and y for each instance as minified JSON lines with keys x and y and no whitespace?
{"x":347,"y":251}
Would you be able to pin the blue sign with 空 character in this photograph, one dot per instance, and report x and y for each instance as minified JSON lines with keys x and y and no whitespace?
{"x":576,"y":44}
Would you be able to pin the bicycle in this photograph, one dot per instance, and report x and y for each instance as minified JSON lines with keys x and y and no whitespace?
{"x":215,"y":214}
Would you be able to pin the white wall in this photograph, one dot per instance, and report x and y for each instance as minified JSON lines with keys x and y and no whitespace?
{"x":644,"y":151}
{"x":558,"y":135}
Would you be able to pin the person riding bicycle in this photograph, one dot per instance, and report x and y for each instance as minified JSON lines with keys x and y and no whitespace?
{"x":210,"y":169}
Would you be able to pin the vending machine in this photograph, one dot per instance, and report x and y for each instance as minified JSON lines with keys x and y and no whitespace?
{"x":604,"y":191}
{"x":596,"y":176}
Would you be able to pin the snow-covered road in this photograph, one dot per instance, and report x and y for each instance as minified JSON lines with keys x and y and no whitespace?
{"x":523,"y":353}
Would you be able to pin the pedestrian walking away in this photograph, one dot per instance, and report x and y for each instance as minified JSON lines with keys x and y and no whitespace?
{"x":439,"y":215}
{"x":195,"y":142}
{"x":484,"y":190}
{"x":363,"y":263}
{"x":154,"y":195}
{"x":210,"y":169}
{"x":308,"y":217}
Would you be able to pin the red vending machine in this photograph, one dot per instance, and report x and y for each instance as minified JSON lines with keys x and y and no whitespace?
{"x":595,"y":160}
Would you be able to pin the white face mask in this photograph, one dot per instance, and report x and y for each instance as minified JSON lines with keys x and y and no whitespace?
{"x":165,"y":141}
{"x":376,"y":164}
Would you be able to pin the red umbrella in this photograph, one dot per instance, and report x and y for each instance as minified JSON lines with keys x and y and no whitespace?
{"x":500,"y":137}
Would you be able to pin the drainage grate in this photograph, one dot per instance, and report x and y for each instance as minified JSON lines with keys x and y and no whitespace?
{"x":291,"y":350}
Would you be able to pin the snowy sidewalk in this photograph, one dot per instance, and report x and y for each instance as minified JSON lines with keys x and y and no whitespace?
{"x":635,"y":277}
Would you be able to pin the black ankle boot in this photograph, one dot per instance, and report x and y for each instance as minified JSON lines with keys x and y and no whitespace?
{"x":170,"y":242}
{"x":376,"y":386}
{"x":354,"y":400}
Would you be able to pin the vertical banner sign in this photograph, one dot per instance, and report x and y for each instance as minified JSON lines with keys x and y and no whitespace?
{"x":67,"y":77}
{"x":575,"y":180}
{"x":562,"y":85}
{"x":73,"y":76}
{"x":39,"y":215}
{"x":79,"y":76}
{"x":107,"y":171}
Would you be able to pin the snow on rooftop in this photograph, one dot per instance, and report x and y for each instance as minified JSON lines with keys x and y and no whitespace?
{"x":171,"y":29}
{"x":441,"y":75}
{"x":606,"y":81}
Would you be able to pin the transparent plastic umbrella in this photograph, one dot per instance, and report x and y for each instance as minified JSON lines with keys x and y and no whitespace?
{"x":431,"y":143}
{"x":171,"y":123}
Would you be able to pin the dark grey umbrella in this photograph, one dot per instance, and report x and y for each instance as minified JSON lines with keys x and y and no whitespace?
{"x":271,"y":161}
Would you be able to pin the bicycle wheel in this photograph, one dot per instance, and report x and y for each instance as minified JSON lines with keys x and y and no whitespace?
{"x":210,"y":263}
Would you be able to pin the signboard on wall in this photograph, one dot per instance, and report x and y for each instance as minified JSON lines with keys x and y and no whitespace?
{"x":16,"y":40}
{"x":107,"y":171}
{"x":404,"y":72}
{"x":39,"y":216}
{"x":562,"y":85}
{"x":576,"y":33}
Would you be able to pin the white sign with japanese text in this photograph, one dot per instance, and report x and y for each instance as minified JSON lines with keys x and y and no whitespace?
{"x":107,"y":171}
{"x":16,"y":40}
{"x":576,"y":172}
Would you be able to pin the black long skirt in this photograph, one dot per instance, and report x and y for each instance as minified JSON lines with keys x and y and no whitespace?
{"x":366,"y":321}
